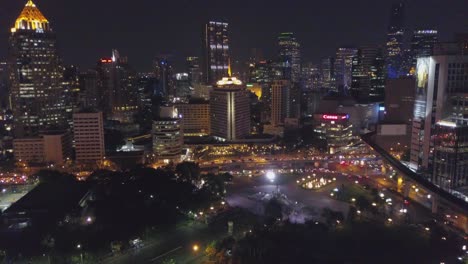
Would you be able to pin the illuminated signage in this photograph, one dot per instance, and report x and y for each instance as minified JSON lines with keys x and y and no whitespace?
{"x":334,"y":117}
{"x":382,"y":108}
{"x":106,"y":60}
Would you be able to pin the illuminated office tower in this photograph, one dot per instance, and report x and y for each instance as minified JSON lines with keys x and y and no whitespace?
{"x":118,"y":83}
{"x":229,"y":110}
{"x":280,"y":101}
{"x":327,"y":72}
{"x":422,"y":43}
{"x":441,"y":95}
{"x":35,"y":74}
{"x":168,"y":135}
{"x":89,"y":136}
{"x":310,"y":77}
{"x":194,"y":70}
{"x":343,"y":68}
{"x":289,"y":57}
{"x":368,"y":75}
{"x":164,"y":77}
{"x":395,"y":34}
{"x":216,"y":53}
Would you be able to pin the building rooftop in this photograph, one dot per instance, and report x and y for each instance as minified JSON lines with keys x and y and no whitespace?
{"x":31,"y":18}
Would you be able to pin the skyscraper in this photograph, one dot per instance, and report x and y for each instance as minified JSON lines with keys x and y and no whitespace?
{"x":35,"y":74}
{"x":163,"y":73}
{"x":395,"y":34}
{"x":117,"y":81}
{"x":216,"y":53}
{"x":280,"y":101}
{"x":230,"y":110}
{"x":422,"y":42}
{"x":368,"y":77}
{"x":194,"y":70}
{"x":310,"y":77}
{"x":289,"y":57}
{"x":441,"y":98}
{"x":343,"y":68}
{"x":327,"y":72}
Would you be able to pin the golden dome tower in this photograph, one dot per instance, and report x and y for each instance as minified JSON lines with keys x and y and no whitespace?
{"x":31,"y":18}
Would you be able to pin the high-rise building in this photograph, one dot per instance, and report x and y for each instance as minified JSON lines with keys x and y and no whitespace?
{"x":117,"y":81}
{"x":216,"y":53}
{"x":399,"y":100}
{"x":368,"y":75}
{"x":229,"y":110}
{"x":89,"y":136}
{"x":422,"y":43}
{"x":194,"y":70}
{"x":92,"y":95}
{"x":195,"y":117}
{"x":4,"y":89}
{"x":310,"y":77}
{"x":441,"y":88}
{"x":289,"y":57}
{"x":35,"y":74}
{"x":182,"y":90}
{"x":450,"y":154}
{"x":395,"y":37}
{"x":280,"y":101}
{"x":168,"y":135}
{"x":164,"y":76}
{"x":343,"y":68}
{"x":327,"y":71}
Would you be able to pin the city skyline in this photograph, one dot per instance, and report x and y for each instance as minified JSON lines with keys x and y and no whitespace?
{"x":82,"y":42}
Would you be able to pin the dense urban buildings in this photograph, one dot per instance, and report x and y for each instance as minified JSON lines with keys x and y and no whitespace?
{"x":35,"y":74}
{"x":327,"y":150}
{"x":216,"y":52}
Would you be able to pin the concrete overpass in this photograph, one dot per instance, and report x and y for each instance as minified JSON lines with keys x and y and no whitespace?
{"x":442,"y":203}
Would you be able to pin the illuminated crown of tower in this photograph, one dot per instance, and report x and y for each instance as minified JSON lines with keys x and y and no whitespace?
{"x":31,"y":18}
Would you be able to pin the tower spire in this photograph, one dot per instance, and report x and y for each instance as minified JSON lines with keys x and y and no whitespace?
{"x":31,"y":18}
{"x":229,"y":68}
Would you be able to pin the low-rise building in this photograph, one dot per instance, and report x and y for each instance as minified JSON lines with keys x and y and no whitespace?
{"x":336,"y":129}
{"x":51,"y":147}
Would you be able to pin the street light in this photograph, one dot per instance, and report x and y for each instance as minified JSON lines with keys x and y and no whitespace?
{"x":195,"y":248}
{"x":271,"y":176}
{"x":81,"y":253}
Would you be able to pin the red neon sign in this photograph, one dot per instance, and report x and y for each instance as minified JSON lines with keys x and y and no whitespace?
{"x":106,"y":60}
{"x":334,"y":117}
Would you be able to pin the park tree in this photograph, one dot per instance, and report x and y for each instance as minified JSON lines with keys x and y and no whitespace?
{"x":273,"y":211}
{"x":188,"y":171}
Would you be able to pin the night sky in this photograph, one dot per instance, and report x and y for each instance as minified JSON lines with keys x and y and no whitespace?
{"x":141,"y":29}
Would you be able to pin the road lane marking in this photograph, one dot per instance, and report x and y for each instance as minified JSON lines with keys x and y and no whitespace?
{"x":167,"y":253}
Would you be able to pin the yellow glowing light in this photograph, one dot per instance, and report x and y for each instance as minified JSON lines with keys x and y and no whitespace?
{"x":31,"y":18}
{"x":229,"y":81}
